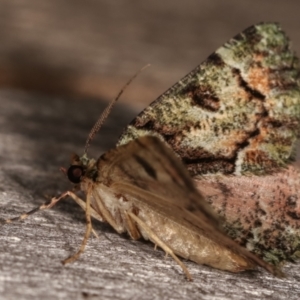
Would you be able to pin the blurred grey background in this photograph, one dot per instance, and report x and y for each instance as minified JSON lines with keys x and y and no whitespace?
{"x":60,"y":62}
{"x":93,"y":47}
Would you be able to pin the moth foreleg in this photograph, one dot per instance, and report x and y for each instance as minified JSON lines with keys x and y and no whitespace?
{"x":47,"y":205}
{"x":44,"y":206}
{"x":82,"y":204}
{"x":88,"y":225}
{"x":157,"y":241}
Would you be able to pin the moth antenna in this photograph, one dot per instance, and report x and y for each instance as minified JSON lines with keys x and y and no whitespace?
{"x":108,"y":109}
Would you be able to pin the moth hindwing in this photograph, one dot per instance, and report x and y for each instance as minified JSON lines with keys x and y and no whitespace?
{"x":234,"y":122}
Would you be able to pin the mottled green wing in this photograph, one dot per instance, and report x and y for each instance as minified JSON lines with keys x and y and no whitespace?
{"x":236,"y":113}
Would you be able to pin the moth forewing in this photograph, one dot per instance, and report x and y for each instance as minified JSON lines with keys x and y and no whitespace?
{"x":144,"y":178}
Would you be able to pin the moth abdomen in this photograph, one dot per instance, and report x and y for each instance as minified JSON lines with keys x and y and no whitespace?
{"x":189,"y":244}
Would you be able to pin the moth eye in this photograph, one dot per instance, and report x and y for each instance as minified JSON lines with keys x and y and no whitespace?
{"x":75,"y":173}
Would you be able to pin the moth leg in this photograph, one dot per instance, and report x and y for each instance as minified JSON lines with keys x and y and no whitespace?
{"x":44,"y":206}
{"x":131,"y":228}
{"x":82,"y":204}
{"x":157,"y":241}
{"x":88,"y":230}
{"x":49,"y":204}
{"x":95,"y":234}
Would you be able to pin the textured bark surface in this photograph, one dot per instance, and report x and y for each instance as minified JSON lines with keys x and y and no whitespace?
{"x":66,"y":49}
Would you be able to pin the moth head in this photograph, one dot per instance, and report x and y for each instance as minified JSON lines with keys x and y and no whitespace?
{"x":76,"y":169}
{"x":75,"y":173}
{"x":80,"y":167}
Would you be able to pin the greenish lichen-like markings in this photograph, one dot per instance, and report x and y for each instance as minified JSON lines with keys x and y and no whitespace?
{"x":236,"y":113}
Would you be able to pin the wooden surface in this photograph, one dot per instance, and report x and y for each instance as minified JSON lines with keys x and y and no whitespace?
{"x":78,"y":56}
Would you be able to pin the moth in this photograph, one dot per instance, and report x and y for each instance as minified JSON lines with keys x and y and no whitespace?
{"x":234,"y":122}
{"x":141,"y":187}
